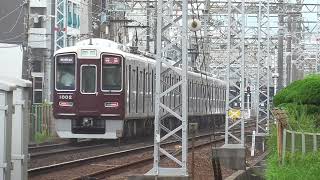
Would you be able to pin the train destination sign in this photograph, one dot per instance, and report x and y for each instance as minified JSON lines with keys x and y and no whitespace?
{"x":65,"y":59}
{"x":111,"y":60}
{"x":88,"y":52}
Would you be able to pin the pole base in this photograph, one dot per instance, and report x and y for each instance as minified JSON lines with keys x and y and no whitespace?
{"x":151,"y":177}
{"x":232,"y":156}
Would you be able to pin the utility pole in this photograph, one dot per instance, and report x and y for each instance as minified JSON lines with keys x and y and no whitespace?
{"x":280,"y":45}
{"x":148,"y":27}
{"x":25,"y":44}
{"x":289,"y":51}
{"x":60,"y":24}
{"x":163,"y":109}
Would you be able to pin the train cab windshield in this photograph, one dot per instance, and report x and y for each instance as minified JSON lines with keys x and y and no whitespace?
{"x":65,"y":72}
{"x":88,"y":78}
{"x":111,"y":73}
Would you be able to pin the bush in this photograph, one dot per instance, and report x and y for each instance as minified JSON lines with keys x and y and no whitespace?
{"x":305,"y":118}
{"x":306,"y":91}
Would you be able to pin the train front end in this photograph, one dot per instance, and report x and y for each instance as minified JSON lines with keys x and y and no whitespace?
{"x":88,"y":93}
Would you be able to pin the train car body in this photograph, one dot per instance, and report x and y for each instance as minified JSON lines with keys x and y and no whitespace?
{"x":101,"y":91}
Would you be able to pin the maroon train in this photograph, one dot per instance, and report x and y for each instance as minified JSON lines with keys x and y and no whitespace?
{"x":101,"y":91}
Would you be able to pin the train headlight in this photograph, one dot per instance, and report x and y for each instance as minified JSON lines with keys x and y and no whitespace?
{"x":87,"y":122}
{"x":65,"y":104}
{"x":111,"y":104}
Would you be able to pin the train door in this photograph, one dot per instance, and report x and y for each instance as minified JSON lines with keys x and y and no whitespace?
{"x":88,"y":94}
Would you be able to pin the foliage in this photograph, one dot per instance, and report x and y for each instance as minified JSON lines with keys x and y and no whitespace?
{"x":301,"y":100}
{"x":296,"y":167}
{"x":306,"y":91}
{"x":304,"y":118}
{"x":42,"y":137}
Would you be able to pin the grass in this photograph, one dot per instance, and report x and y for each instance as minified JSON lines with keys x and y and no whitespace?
{"x":303,"y":118}
{"x":301,"y":100}
{"x":296,"y":165}
{"x":42,"y":137}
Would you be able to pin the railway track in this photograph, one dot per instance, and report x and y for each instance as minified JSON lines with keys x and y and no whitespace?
{"x":47,"y":150}
{"x":79,"y":162}
{"x":105,"y":157}
{"x":38,"y":152}
{"x":139,"y":162}
{"x":52,"y":149}
{"x":37,"y":148}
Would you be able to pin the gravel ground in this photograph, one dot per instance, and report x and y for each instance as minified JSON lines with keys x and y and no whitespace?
{"x":203,"y":167}
{"x":72,"y":155}
{"x":99,"y":165}
{"x":69,"y":156}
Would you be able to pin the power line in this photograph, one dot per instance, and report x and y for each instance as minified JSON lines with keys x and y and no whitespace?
{"x":8,"y":39}
{"x":15,"y":24}
{"x":12,"y":11}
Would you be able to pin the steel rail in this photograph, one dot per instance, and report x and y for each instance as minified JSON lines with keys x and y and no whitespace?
{"x":79,"y":162}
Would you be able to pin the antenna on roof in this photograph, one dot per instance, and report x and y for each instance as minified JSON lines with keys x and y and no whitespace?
{"x":90,"y":40}
{"x":134,"y":47}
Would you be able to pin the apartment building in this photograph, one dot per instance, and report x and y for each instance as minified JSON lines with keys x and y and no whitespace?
{"x":42,"y":41}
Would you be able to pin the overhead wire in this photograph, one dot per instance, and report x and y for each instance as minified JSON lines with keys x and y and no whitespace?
{"x":17,"y":20}
{"x":3,"y":17}
{"x":8,"y":39}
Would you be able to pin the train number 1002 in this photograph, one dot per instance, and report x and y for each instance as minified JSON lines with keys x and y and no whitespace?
{"x":65,"y":96}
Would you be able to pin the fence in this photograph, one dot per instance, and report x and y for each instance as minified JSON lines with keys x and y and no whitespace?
{"x":294,"y":142}
{"x":40,"y":120}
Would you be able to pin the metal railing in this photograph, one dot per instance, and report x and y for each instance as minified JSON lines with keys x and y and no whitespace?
{"x":299,"y":142}
{"x":40,"y":120}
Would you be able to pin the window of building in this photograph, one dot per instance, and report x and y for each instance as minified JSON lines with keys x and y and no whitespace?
{"x":37,"y":66}
{"x":37,"y":89}
{"x":70,"y":9}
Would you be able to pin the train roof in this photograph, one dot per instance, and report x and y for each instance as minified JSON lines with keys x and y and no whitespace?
{"x":104,"y":45}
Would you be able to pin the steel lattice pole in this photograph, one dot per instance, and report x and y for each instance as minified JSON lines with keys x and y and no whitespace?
{"x":164,"y":21}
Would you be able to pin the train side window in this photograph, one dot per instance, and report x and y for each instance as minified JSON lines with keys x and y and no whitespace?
{"x":88,"y":77}
{"x":189,"y":95}
{"x":143,"y":88}
{"x":152,"y":81}
{"x":196,"y":96}
{"x":133,"y":89}
{"x":129,"y":87}
{"x":137,"y":89}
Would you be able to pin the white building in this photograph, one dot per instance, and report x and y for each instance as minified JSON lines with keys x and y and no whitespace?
{"x":42,"y":40}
